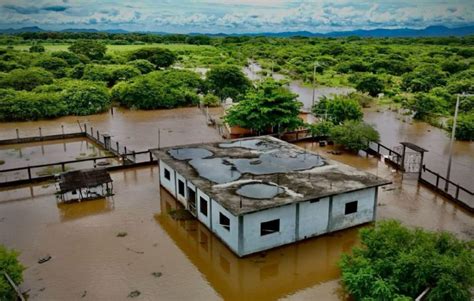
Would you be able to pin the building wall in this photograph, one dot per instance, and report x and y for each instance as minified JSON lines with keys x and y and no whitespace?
{"x":254,"y":242}
{"x":313,"y":218}
{"x":231,"y":236}
{"x":206,"y":220}
{"x":366,"y":201}
{"x":169,"y":185}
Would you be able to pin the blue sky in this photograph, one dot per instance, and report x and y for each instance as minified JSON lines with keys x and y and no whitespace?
{"x":235,"y":16}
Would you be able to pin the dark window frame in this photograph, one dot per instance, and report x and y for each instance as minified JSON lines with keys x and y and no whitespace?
{"x":351,"y":207}
{"x":270,"y":227}
{"x":201,"y":207}
{"x":181,"y":189}
{"x":167,"y":174}
{"x":224,"y":221}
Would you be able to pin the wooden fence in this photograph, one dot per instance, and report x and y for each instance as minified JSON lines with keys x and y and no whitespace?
{"x":447,"y":188}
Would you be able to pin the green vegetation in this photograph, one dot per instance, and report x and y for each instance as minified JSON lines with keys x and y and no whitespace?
{"x":397,"y":263}
{"x":339,"y":109}
{"x":419,"y":74}
{"x":211,"y":100}
{"x":354,"y":135}
{"x":268,"y":108}
{"x":227,"y":81}
{"x":10,"y":264}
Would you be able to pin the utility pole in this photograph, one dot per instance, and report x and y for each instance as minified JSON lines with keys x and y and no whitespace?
{"x":314,"y":83}
{"x":453,"y":133}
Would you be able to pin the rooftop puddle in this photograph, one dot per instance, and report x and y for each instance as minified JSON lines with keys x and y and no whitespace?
{"x":259,"y":191}
{"x":189,"y":153}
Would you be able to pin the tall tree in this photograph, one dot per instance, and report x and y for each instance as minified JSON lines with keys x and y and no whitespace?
{"x":92,"y":49}
{"x":269,"y":106}
{"x":227,"y":81}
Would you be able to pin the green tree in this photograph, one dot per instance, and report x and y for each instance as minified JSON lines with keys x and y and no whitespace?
{"x":55,"y":65}
{"x":85,"y":97}
{"x":370,"y":84}
{"x":26,"y":105}
{"x":71,"y":58}
{"x":37,"y":48}
{"x":339,"y":109}
{"x":160,"y":57}
{"x":10,"y":264}
{"x":464,"y":127}
{"x":321,"y":129}
{"x":270,"y":107}
{"x":423,"y":78}
{"x":90,"y":48}
{"x":211,"y":100}
{"x":426,"y":104}
{"x":227,"y":81}
{"x":159,"y":89}
{"x":354,"y":135}
{"x":397,"y":263}
{"x":26,"y":79}
{"x":144,"y":66}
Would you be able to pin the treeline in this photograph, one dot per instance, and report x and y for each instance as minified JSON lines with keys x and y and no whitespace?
{"x":86,"y":80}
{"x":109,"y":38}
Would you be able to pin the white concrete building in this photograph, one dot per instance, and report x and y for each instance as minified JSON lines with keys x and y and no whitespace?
{"x":259,"y":193}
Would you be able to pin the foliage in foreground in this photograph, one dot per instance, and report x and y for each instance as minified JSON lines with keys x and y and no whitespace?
{"x":339,"y":109}
{"x":397,"y":263}
{"x":269,"y":107}
{"x":354,"y":135}
{"x":10,"y":264}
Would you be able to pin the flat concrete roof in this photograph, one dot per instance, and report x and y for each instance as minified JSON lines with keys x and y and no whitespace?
{"x":252,"y":174}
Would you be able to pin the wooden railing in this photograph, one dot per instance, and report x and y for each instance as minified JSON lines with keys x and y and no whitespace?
{"x":25,"y":175}
{"x":447,"y":188}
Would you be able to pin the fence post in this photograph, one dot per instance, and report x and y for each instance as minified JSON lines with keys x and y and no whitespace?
{"x":41,"y":134}
{"x":92,"y":132}
{"x":85,"y":128}
{"x":29,"y":173}
{"x":378,"y":148}
{"x":134,"y":155}
{"x":457,"y":193}
{"x":125,"y":150}
{"x":151,"y":156}
{"x":117,"y":144}
{"x":63,"y":167}
{"x":98,"y":136}
{"x":17,"y":134}
{"x":437,"y":180}
{"x":62,"y":130}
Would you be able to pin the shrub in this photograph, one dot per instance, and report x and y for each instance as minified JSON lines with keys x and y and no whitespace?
{"x":92,"y":49}
{"x":464,"y":127}
{"x":370,"y":84}
{"x":423,"y":79}
{"x":211,"y":100}
{"x":37,"y":48}
{"x":26,"y":79}
{"x":85,"y":97}
{"x":71,"y":58}
{"x":354,"y":135}
{"x":10,"y":264}
{"x":143,"y":65}
{"x":160,"y":57}
{"x":339,"y":109}
{"x":425,"y":104}
{"x":397,"y":263}
{"x":321,"y":129}
{"x":55,"y":65}
{"x":25,"y":105}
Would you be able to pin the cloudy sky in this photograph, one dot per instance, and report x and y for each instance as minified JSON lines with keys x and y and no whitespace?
{"x":235,"y":16}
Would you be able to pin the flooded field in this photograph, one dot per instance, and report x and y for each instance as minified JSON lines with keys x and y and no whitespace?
{"x":23,"y":154}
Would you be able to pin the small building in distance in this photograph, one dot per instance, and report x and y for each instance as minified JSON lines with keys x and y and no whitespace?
{"x":85,"y":184}
{"x":259,"y":193}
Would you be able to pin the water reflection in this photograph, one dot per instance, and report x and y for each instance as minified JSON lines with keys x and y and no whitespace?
{"x":77,"y":210}
{"x":266,"y":276}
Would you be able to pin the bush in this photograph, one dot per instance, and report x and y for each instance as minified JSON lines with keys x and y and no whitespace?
{"x":370,"y":84}
{"x":37,"y":48}
{"x":55,"y":65}
{"x":143,"y":65}
{"x":227,"y":81}
{"x":159,"y":89}
{"x":425,"y":104}
{"x":354,"y":135}
{"x":321,"y":129}
{"x":211,"y":100}
{"x":85,"y":97}
{"x":423,"y":79}
{"x":339,"y":109}
{"x":26,"y":79}
{"x":92,"y":49}
{"x":71,"y":58}
{"x":109,"y":74}
{"x":160,"y":57}
{"x":464,"y":127}
{"x":396,"y":263}
{"x":25,"y":105}
{"x":10,"y":264}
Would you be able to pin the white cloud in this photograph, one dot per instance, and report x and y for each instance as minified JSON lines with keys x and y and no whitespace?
{"x":236,"y":15}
